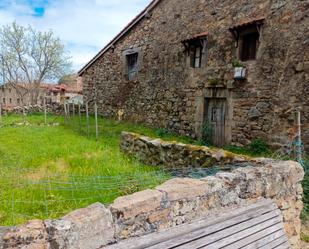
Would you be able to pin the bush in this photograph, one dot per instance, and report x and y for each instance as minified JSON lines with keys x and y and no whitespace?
{"x":259,"y":147}
{"x":207,"y":135}
{"x":162,"y":132}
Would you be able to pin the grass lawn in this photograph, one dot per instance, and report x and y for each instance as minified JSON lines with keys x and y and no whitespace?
{"x":47,"y":171}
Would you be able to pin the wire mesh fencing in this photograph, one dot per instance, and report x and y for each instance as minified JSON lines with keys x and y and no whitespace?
{"x":34,"y":194}
{"x":29,"y":194}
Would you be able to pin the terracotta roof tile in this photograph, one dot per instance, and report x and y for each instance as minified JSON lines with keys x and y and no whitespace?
{"x":248,"y":23}
{"x":203,"y":34}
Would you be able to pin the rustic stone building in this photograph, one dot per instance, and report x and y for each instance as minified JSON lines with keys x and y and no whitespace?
{"x":177,"y":65}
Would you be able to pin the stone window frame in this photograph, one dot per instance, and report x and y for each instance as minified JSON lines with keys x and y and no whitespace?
{"x":125,"y":55}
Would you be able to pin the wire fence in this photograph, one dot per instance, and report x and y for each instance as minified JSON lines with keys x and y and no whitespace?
{"x":29,"y":194}
{"x":33,"y":193}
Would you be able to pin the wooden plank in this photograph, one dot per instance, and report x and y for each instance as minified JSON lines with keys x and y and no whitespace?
{"x":232,"y":234}
{"x":246,"y":212}
{"x":275,"y":243}
{"x":269,"y":237}
{"x":285,"y":245}
{"x":215,"y":232}
{"x":203,"y":231}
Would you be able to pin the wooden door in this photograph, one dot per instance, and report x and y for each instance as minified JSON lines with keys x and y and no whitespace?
{"x":216,"y":119}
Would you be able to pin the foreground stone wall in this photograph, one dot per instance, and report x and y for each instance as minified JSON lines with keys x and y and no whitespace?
{"x":168,"y":93}
{"x":175,"y":202}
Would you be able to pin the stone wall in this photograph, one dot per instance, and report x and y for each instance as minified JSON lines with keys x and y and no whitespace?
{"x":168,"y":93}
{"x":175,"y":155}
{"x":175,"y":202}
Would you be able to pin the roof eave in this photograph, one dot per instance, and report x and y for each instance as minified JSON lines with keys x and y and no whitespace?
{"x":135,"y":21}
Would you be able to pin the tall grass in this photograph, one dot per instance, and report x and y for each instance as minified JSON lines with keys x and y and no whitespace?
{"x":47,"y":171}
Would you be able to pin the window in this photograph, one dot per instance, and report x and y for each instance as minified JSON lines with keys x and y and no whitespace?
{"x":196,"y":49}
{"x":10,"y":101}
{"x":197,"y":59}
{"x":247,"y":38}
{"x":3,"y":100}
{"x":10,"y":90}
{"x":249,"y":46}
{"x":132,"y":65}
{"x":18,"y":101}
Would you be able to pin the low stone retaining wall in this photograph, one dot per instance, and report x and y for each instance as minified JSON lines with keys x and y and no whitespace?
{"x":175,"y":202}
{"x":173,"y":154}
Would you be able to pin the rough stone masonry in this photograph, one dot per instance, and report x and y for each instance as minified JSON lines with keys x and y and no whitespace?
{"x":177,"y":201}
{"x":171,"y":91}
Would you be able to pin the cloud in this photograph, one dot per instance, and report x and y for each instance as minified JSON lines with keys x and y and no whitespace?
{"x":85,"y":26}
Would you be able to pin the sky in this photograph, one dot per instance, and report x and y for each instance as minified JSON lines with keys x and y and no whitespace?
{"x":84,"y":26}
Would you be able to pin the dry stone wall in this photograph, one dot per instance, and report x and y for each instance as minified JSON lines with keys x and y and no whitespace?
{"x":168,"y":93}
{"x":175,"y":155}
{"x":175,"y":202}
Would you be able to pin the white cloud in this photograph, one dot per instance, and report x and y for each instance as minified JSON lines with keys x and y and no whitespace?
{"x":84,"y":25}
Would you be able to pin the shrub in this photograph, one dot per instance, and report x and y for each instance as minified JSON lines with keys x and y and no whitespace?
{"x":237,"y":63}
{"x":207,"y":134}
{"x":259,"y":147}
{"x":162,"y":132}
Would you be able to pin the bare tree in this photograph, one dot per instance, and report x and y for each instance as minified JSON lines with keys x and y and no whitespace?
{"x":29,"y":57}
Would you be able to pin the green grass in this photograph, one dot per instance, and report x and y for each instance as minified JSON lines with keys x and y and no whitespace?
{"x":47,"y":171}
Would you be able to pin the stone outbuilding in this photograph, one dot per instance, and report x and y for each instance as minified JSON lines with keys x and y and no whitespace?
{"x":237,"y":68}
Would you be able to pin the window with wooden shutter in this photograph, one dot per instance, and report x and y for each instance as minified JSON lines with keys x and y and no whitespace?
{"x":249,"y":46}
{"x":197,"y":61}
{"x":247,"y":38}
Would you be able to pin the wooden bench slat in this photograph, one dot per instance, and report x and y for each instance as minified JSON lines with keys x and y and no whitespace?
{"x":285,"y":245}
{"x":235,"y":237}
{"x":250,"y":226}
{"x":225,"y":231}
{"x":266,"y":239}
{"x":204,"y":231}
{"x":275,"y":243}
{"x":157,"y":237}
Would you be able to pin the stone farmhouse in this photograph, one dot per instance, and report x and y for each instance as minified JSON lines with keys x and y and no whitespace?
{"x":239,"y":67}
{"x":19,"y":95}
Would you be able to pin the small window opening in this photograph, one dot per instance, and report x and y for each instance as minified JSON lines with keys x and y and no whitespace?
{"x":10,"y":90}
{"x":132,"y":63}
{"x":3,"y":100}
{"x":197,"y":60}
{"x":196,"y":49}
{"x":248,"y":49}
{"x":10,"y":101}
{"x":18,"y":101}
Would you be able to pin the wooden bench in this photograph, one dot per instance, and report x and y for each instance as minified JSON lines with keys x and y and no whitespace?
{"x":259,"y":225}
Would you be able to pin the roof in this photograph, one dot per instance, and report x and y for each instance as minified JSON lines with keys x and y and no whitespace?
{"x":134,"y":22}
{"x":248,"y":23}
{"x":200,"y":35}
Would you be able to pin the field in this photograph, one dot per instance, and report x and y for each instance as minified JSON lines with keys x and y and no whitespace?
{"x":47,"y":171}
